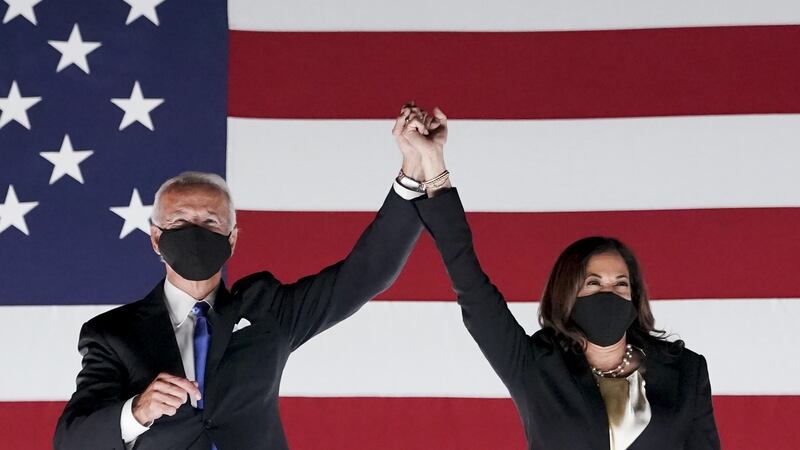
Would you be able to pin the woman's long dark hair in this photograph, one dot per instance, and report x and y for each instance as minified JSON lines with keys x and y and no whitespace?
{"x":566,"y":279}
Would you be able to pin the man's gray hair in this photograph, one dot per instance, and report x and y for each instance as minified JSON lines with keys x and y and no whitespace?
{"x":191,"y":179}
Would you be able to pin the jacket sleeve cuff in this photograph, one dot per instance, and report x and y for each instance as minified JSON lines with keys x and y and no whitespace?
{"x":441,"y":210}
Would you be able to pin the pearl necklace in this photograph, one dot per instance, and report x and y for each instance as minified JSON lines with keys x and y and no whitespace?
{"x":616,"y":371}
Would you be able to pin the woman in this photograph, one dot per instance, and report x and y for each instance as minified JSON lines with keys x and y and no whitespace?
{"x":598,"y":375}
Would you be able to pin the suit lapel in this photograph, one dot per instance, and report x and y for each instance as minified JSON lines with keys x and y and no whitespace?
{"x":159,"y":342}
{"x":595,"y":408}
{"x":662,"y":380}
{"x":222,"y":317}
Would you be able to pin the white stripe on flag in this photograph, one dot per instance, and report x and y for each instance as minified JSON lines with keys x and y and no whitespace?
{"x":507,"y":15}
{"x":41,"y":361}
{"x":528,"y":165}
{"x":421,"y":349}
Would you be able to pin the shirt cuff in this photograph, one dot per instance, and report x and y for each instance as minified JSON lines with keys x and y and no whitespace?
{"x":405,"y":192}
{"x":131,"y":428}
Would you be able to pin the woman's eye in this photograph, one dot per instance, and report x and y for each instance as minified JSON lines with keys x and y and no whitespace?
{"x":623,"y":284}
{"x":593,"y":283}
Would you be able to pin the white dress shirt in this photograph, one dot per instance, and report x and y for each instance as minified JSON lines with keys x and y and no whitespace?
{"x":179,"y":306}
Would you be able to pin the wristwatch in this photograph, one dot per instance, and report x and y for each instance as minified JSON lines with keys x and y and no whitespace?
{"x":410,"y":183}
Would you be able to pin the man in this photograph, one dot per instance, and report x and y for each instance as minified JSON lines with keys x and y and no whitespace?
{"x":171,"y":372}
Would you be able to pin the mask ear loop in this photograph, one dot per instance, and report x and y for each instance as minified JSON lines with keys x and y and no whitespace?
{"x":160,"y":256}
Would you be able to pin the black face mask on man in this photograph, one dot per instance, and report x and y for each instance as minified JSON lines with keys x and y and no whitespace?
{"x":194,"y":252}
{"x":604,"y":317}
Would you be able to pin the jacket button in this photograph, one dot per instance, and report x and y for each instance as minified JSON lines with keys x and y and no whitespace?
{"x":208,"y":424}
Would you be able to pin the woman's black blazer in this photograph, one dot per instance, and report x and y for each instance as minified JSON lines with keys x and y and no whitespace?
{"x":554,"y":391}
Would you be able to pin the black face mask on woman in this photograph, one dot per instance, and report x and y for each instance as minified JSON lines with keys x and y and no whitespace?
{"x":604,"y":317}
{"x":194,"y":252}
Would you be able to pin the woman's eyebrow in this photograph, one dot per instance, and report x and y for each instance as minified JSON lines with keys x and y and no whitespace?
{"x":598,"y":276}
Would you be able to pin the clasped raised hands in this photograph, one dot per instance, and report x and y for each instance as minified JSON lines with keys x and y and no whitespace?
{"x":421,"y":137}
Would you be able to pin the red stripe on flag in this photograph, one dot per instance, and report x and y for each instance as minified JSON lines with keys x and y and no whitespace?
{"x":723,"y":253}
{"x":401,"y":423}
{"x":516,"y":75}
{"x":745,"y":423}
{"x":28,"y":425}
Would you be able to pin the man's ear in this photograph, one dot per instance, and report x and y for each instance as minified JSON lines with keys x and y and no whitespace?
{"x":155,"y":234}
{"x":232,"y":239}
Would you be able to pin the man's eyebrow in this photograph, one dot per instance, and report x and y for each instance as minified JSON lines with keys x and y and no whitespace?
{"x":178,"y":213}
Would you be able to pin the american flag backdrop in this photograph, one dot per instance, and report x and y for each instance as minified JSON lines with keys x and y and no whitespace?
{"x":671,"y":125}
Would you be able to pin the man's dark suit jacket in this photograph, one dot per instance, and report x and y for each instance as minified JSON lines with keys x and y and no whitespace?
{"x":558,"y":401}
{"x":124,"y":349}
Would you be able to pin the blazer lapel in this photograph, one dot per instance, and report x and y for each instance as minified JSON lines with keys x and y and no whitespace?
{"x":222,"y":317}
{"x":662,"y":380}
{"x":158,"y":342}
{"x":595,"y":408}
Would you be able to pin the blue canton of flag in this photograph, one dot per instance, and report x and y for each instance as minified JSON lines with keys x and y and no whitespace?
{"x":100,"y":102}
